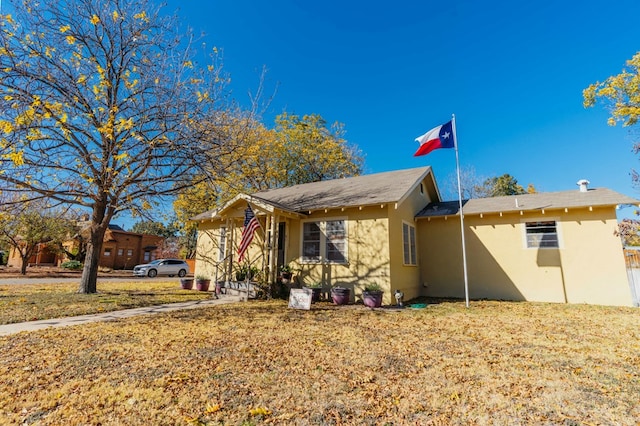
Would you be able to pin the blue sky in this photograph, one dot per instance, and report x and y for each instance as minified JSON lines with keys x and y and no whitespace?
{"x":512,"y":73}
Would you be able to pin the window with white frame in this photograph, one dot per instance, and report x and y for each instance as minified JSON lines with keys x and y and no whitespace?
{"x":409,"y":244}
{"x":222,"y":243}
{"x":324,"y":241}
{"x":543,"y":234}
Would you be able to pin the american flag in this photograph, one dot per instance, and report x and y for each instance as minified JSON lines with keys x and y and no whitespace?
{"x":251,"y":223}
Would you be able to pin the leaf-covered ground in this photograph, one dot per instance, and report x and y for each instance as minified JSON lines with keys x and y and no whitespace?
{"x":31,"y":302}
{"x":262,"y":363}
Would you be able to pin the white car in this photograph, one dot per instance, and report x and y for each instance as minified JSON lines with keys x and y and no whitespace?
{"x":168,"y":267}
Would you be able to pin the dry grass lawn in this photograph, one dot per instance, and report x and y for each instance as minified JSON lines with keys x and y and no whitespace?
{"x":31,"y":302}
{"x":262,"y":363}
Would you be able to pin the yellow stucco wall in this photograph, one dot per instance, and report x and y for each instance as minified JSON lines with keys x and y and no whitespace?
{"x":405,"y":278}
{"x":367,"y":251}
{"x":588,"y":267}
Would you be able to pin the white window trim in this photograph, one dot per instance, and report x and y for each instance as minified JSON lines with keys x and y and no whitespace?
{"x":322,"y":222}
{"x":523,"y":223}
{"x":415,"y":243}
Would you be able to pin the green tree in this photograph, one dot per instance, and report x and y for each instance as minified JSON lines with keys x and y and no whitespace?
{"x":474,"y":186}
{"x":26,"y":225}
{"x":75,"y":230}
{"x":104,"y":107}
{"x":502,"y":185}
{"x":150,"y":227}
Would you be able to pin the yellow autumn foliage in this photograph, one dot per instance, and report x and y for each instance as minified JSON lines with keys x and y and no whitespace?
{"x":621,"y":92}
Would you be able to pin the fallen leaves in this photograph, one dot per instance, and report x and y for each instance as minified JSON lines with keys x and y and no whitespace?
{"x":31,"y":302}
{"x":261,"y":363}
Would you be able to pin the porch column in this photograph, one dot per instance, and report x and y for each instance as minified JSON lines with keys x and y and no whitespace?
{"x":273,"y":248}
{"x":228,"y":258}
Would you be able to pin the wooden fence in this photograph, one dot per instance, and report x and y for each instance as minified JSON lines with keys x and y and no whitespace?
{"x":632,"y":258}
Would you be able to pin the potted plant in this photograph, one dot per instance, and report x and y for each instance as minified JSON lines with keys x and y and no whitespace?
{"x":372,"y":295}
{"x":316,"y":290}
{"x":202,"y":283}
{"x":340,"y":295}
{"x":247,"y":272}
{"x":254,"y":273}
{"x":241,"y":273}
{"x":286,"y":272}
{"x":186,"y":283}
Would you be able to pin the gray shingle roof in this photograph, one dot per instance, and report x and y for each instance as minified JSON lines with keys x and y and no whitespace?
{"x":544,"y":200}
{"x":378,"y":188}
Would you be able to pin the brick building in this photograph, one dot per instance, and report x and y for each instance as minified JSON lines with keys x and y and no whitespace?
{"x":120,"y":250}
{"x":124,"y":250}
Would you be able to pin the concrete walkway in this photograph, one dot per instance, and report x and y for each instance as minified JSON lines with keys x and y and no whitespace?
{"x":8,"y":329}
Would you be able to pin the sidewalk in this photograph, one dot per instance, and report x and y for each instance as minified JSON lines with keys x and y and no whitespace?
{"x":8,"y":329}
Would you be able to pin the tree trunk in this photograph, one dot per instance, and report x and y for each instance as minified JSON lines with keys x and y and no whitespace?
{"x":89,"y":280}
{"x":25,"y":256}
{"x":23,"y":266}
{"x":99,"y":225}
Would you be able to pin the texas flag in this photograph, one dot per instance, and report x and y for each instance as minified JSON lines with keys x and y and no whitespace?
{"x":438,"y":137}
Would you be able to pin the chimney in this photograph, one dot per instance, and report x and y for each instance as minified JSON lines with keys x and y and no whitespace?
{"x":583,"y":184}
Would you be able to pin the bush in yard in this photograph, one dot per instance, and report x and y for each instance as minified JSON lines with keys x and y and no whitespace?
{"x":74,"y":265}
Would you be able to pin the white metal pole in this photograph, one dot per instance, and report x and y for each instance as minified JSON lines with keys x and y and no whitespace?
{"x":464,"y":250}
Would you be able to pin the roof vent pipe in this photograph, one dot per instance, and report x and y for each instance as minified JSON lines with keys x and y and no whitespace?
{"x":583,"y":184}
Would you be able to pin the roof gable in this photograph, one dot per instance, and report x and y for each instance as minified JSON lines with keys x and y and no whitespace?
{"x":373,"y":189}
{"x":365,"y":190}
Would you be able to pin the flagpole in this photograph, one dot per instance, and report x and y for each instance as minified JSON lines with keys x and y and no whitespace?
{"x":464,"y":250}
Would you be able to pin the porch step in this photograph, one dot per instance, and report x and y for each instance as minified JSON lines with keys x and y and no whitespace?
{"x":241,"y":293}
{"x":239,"y":288}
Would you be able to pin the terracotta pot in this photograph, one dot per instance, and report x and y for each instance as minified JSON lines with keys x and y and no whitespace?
{"x":186,"y":283}
{"x":372,"y":299}
{"x":202,"y":285}
{"x":341,"y":295}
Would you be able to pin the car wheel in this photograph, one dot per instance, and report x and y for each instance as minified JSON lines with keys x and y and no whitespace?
{"x":152,"y":273}
{"x":182,"y":273}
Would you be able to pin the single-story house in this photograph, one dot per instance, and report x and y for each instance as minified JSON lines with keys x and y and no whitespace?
{"x":394,"y":230}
